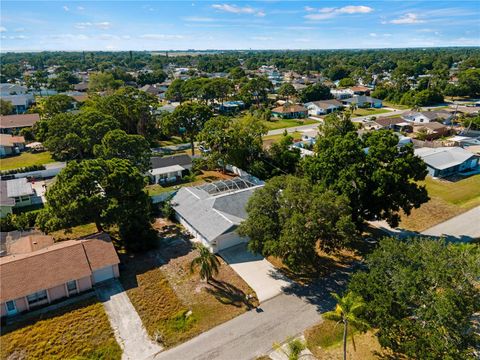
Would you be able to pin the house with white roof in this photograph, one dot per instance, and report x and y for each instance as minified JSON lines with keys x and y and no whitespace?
{"x":212,"y":212}
{"x":13,"y":194}
{"x":447,"y":161}
{"x":323,"y":107}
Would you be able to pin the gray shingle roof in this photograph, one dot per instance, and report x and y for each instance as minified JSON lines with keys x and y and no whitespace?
{"x":160,"y":162}
{"x":212,"y":215}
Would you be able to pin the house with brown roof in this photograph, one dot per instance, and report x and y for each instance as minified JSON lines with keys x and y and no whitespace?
{"x":36,"y":271}
{"x":394,"y":123}
{"x":290,"y":111}
{"x":12,"y":123}
{"x":430,"y":131}
{"x":11,"y":145}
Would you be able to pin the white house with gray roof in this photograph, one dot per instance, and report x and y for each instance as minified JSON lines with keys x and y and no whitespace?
{"x":447,"y":161}
{"x":14,"y":193}
{"x":213,"y":211}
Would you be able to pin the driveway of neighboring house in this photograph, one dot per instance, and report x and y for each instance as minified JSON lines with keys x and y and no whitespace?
{"x":125,"y":322}
{"x":465,"y":226}
{"x":262,"y":277}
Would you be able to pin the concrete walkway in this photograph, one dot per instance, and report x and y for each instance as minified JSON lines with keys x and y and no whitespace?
{"x":257,"y":272}
{"x":125,"y":322}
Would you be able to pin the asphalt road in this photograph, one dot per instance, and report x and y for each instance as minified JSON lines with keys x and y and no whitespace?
{"x":463,"y":227}
{"x":253,"y":333}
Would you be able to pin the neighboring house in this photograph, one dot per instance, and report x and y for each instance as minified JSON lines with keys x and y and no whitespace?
{"x":152,"y":89}
{"x":39,"y":271}
{"x":393,"y":123}
{"x":11,"y":145}
{"x":169,"y":169}
{"x":212,"y":212}
{"x":447,"y":161}
{"x":15,"y":193}
{"x":360,"y":90}
{"x":430,"y":131}
{"x":20,"y":102}
{"x":230,"y":107}
{"x":363,"y":101}
{"x":290,"y":111}
{"x":12,"y":123}
{"x":422,"y":117}
{"x":12,"y":89}
{"x":341,"y":94}
{"x":323,"y":107}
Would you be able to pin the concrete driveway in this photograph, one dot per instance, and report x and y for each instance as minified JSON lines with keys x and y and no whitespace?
{"x":257,"y":272}
{"x":126,"y":324}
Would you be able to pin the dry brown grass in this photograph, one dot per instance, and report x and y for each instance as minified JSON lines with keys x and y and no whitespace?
{"x":80,"y":331}
{"x":448,"y":199}
{"x":325,"y":342}
{"x":163,"y":290}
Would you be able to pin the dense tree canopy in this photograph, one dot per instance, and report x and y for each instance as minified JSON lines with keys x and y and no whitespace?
{"x":6,"y":107}
{"x":373,"y":172}
{"x":106,"y":192}
{"x":315,"y":92}
{"x":289,"y":217}
{"x":421,"y":295}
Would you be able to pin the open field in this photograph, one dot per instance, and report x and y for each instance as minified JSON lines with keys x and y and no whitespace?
{"x":173,"y":302}
{"x":325,"y":342}
{"x":369,"y":111}
{"x":448,"y":199}
{"x":80,"y":331}
{"x":270,"y":139}
{"x":287,"y":123}
{"x":25,"y":159}
{"x":395,"y":106}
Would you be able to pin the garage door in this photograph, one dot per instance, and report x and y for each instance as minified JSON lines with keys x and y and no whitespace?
{"x":103,"y":274}
{"x":228,"y":240}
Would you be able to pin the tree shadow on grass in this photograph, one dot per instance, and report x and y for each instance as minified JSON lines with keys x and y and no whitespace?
{"x":229,"y":294}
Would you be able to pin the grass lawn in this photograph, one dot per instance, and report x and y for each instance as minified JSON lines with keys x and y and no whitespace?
{"x":25,"y":159}
{"x":370,"y":111}
{"x":448,"y":199}
{"x":174,"y":140}
{"x":325,"y":342}
{"x":75,"y":232}
{"x":163,"y":291}
{"x":287,"y":123}
{"x":395,"y":106}
{"x":80,"y":331}
{"x":270,"y":139}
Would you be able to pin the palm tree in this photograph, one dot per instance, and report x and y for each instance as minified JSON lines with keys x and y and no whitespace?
{"x":347,"y":310}
{"x":206,"y":262}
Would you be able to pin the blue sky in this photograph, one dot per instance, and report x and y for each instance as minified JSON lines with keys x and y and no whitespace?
{"x":163,"y":25}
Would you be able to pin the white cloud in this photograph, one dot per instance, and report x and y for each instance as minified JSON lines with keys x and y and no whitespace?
{"x":126,"y":37}
{"x":3,"y":29}
{"x":83,"y":25}
{"x":15,"y":37}
{"x":373,"y":34}
{"x":109,"y":37}
{"x":408,"y":18}
{"x":303,"y":40}
{"x":309,"y":8}
{"x":261,"y":38}
{"x":198,"y":19}
{"x":66,"y":8}
{"x":19,"y":30}
{"x":234,"y":9}
{"x":103,"y":25}
{"x":80,"y":8}
{"x":330,"y":12}
{"x":161,"y":37}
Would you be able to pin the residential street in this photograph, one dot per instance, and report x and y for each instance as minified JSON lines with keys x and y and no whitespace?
{"x":252,"y":334}
{"x":463,"y":227}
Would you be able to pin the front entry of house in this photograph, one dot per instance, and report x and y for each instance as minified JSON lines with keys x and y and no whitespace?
{"x":103,"y":274}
